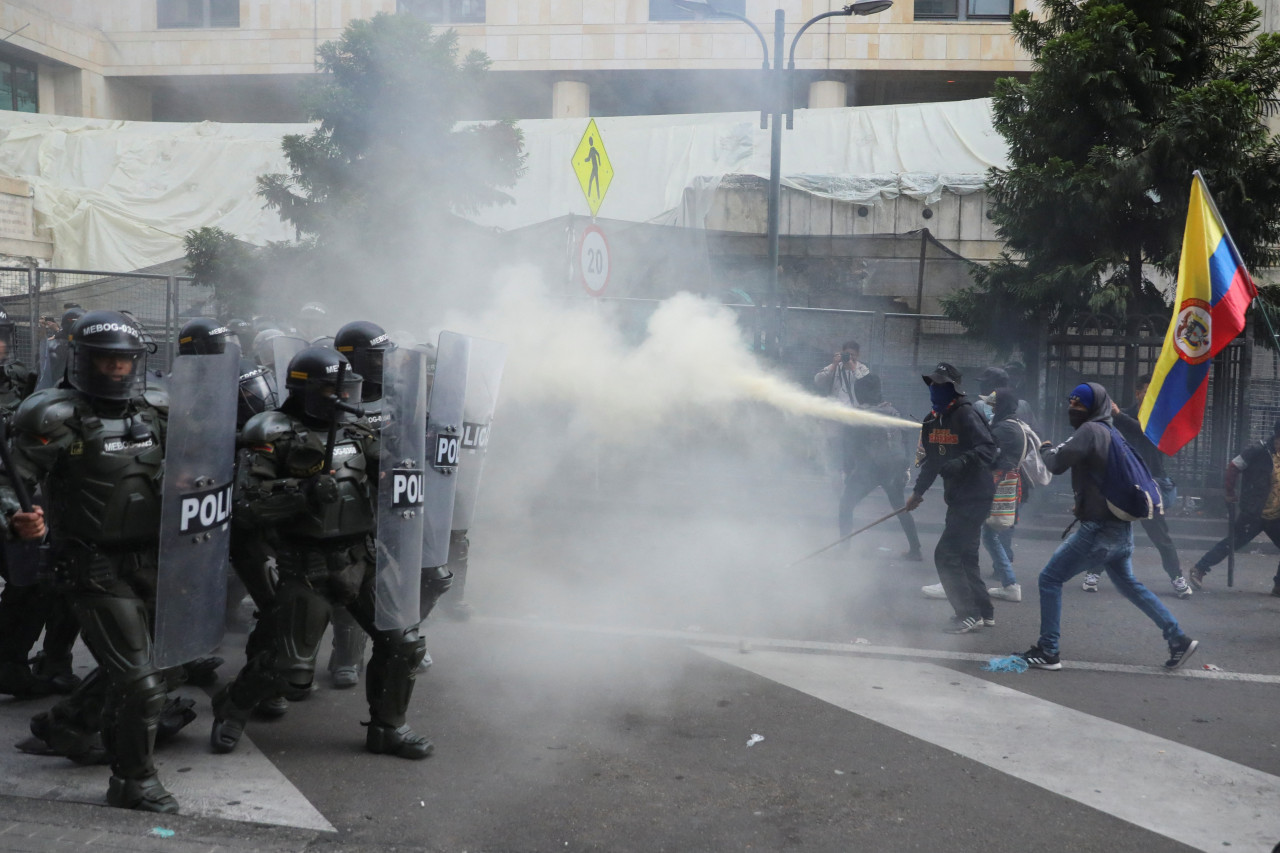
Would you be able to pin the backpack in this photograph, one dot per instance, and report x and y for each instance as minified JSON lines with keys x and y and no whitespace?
{"x":1032,"y":465}
{"x":1128,"y":487}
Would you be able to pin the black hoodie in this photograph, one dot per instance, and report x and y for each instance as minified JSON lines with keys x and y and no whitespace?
{"x":957,"y":434}
{"x":1085,"y":454}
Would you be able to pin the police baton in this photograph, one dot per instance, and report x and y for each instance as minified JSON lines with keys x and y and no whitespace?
{"x":1231,"y":544}
{"x":822,"y":550}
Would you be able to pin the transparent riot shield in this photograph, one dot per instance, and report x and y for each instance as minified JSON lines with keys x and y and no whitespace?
{"x":402,"y":449}
{"x":284,"y":348}
{"x":484,"y":375}
{"x":444,"y":440}
{"x":53,"y":363}
{"x":195,"y":530}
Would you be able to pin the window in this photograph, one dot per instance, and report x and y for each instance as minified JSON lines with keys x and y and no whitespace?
{"x":666,"y":10}
{"x":444,"y":11}
{"x":197,"y":14}
{"x":964,"y":10}
{"x":18,"y":87}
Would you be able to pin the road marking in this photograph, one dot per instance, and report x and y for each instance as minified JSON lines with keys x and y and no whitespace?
{"x":1186,"y":794}
{"x":862,"y":649}
{"x":243,"y":786}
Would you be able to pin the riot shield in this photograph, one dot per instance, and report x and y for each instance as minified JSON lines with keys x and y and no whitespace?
{"x":402,"y":448}
{"x":284,"y":348}
{"x":444,"y":437}
{"x":53,"y":363}
{"x":484,"y":375}
{"x":195,"y":530}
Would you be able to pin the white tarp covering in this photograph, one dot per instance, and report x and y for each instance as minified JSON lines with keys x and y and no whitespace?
{"x":120,"y":195}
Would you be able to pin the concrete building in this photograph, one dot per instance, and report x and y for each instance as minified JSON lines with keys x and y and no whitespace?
{"x":242,"y":60}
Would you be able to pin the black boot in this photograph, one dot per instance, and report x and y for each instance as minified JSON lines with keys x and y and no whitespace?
{"x":402,"y":742}
{"x":16,"y":680}
{"x":144,"y":795}
{"x":54,"y":673}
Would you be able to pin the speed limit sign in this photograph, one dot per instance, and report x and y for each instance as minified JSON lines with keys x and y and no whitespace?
{"x":593,"y":260}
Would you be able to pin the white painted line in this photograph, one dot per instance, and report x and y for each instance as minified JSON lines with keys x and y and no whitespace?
{"x":243,"y":786}
{"x":1186,"y":794}
{"x":863,"y":649}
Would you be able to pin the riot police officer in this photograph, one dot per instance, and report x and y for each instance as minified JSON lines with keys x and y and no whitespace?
{"x":204,"y":336}
{"x":318,"y":496}
{"x":99,"y":446}
{"x":28,"y":606}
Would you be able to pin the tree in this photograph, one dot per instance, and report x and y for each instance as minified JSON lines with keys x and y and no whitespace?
{"x":1127,"y":99}
{"x":389,"y":171}
{"x":378,"y":191}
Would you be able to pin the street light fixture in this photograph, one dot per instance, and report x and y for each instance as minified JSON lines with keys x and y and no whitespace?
{"x":704,"y":8}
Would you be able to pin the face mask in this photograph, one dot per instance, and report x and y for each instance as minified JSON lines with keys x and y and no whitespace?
{"x":1077,"y":417}
{"x":941,"y":394}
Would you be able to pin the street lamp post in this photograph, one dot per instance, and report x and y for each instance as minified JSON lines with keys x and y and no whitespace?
{"x":777,"y":105}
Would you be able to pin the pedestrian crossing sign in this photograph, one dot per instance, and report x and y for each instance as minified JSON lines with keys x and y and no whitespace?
{"x":591,"y":165}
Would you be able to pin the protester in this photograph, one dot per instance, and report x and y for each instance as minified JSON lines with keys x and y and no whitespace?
{"x":1103,"y":539}
{"x":996,"y":538}
{"x":958,"y":446}
{"x":875,"y":457}
{"x":1126,"y":421}
{"x":1252,"y":483}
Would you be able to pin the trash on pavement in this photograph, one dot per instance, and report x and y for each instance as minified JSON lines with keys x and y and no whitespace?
{"x":1213,"y":667}
{"x":161,"y":832}
{"x":754,"y":739}
{"x":862,"y":641}
{"x":1013,"y":663}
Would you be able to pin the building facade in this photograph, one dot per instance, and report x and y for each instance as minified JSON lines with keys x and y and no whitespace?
{"x":243,"y":60}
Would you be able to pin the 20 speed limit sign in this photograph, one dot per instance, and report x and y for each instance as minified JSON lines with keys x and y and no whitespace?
{"x":593,"y":260}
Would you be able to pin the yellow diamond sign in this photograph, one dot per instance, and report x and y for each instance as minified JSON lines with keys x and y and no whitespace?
{"x":591,"y":165}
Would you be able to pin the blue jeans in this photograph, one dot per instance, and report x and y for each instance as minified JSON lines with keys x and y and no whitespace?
{"x":1108,"y":544}
{"x":999,"y":544}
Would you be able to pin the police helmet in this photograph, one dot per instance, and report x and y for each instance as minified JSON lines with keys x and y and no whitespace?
{"x":263,"y":350}
{"x":325,"y":341}
{"x":257,"y":391}
{"x":364,"y":344}
{"x":242,"y":330}
{"x":8,"y":339}
{"x":108,"y":356}
{"x":313,"y":382}
{"x":313,"y":310}
{"x":69,"y":318}
{"x":204,"y":336}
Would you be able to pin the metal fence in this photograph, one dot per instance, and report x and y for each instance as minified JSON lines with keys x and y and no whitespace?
{"x":35,"y":298}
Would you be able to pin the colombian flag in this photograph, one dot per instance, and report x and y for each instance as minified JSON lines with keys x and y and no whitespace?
{"x":1214,"y":289}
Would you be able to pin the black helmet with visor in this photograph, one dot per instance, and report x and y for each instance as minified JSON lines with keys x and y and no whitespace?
{"x":313,"y":383}
{"x":108,"y":357}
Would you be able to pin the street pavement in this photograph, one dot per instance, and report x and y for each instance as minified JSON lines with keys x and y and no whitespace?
{"x":666,"y":682}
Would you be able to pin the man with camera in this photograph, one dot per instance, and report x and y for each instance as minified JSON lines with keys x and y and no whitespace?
{"x":837,"y":378}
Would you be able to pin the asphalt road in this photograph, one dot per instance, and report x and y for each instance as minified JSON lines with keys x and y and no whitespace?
{"x":606,"y":697}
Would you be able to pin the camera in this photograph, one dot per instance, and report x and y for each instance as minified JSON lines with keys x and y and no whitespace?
{"x":845,"y":357}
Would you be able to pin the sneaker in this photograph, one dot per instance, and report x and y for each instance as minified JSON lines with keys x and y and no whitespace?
{"x":1012,"y":592}
{"x":344,"y":677}
{"x":1180,"y":651}
{"x":967,"y":625}
{"x":989,"y":621}
{"x":1090,"y":582}
{"x":1038,"y":658}
{"x":933,"y":591}
{"x":1181,"y":587}
{"x":913,"y":556}
{"x":1196,"y":577}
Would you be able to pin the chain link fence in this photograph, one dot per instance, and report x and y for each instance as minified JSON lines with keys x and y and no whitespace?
{"x":36,"y":298}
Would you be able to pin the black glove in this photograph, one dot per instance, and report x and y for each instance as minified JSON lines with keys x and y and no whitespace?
{"x":952,"y":468}
{"x":322,"y":490}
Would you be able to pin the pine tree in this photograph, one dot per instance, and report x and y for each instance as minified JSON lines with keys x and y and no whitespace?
{"x":1127,"y":99}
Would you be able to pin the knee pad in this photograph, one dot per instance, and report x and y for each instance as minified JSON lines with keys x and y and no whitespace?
{"x":143,"y":694}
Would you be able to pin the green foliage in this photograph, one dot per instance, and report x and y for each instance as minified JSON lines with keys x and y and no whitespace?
{"x":376,"y":192}
{"x":388,"y":165}
{"x":1127,"y":99}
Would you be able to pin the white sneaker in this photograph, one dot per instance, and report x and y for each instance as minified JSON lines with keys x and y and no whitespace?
{"x":1181,"y":587}
{"x":1012,"y":592}
{"x":1090,"y":582}
{"x":933,"y":591}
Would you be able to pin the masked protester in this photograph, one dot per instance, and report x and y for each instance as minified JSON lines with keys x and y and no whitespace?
{"x":1102,"y":539}
{"x":958,"y":447}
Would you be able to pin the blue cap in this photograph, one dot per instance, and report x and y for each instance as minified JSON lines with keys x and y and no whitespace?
{"x":1083,"y":393}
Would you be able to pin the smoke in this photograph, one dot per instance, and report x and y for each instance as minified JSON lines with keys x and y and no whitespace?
{"x":693,"y":361}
